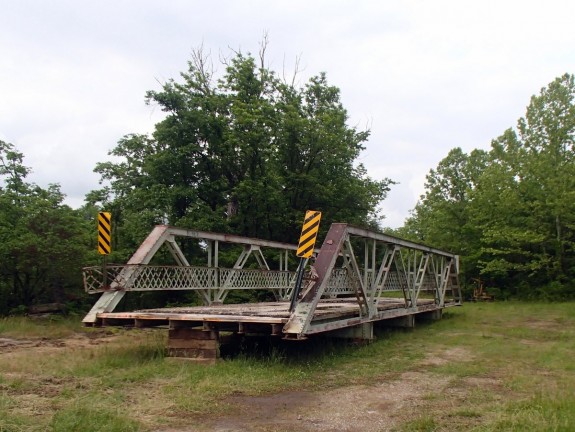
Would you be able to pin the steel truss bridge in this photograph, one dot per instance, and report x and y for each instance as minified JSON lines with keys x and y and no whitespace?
{"x":357,"y":278}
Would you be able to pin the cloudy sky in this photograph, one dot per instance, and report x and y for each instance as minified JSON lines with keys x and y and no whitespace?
{"x":424,"y":76}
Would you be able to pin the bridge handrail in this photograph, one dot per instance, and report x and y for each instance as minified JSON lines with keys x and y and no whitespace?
{"x":139,"y":277}
{"x":158,"y":278}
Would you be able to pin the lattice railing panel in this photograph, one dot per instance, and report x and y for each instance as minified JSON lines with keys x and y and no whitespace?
{"x":157,"y":278}
{"x":339,"y":283}
{"x":95,"y":278}
{"x":254,"y":279}
{"x":392,"y":282}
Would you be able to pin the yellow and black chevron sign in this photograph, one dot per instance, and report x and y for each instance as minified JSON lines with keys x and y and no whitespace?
{"x":104,"y":233}
{"x":308,"y":234}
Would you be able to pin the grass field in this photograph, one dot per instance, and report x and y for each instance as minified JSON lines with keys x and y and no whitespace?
{"x":485,"y":367}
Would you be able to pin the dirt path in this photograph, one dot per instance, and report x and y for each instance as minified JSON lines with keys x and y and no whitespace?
{"x":11,"y":346}
{"x":371,"y":408}
{"x":382,"y":405}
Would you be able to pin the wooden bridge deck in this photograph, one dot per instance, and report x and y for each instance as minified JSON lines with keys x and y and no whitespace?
{"x":272,"y":315}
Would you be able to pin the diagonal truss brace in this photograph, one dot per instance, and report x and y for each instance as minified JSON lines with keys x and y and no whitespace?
{"x":366,"y":307}
{"x":248,"y":250}
{"x":383,"y":274}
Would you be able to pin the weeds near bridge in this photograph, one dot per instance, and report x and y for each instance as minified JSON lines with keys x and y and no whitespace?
{"x":484,"y":367}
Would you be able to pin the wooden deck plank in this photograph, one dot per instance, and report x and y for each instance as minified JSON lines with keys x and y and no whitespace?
{"x":191,"y":317}
{"x":256,"y":313}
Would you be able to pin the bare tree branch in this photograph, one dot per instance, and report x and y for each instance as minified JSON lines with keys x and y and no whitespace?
{"x":296,"y":71}
{"x":204,"y":66}
{"x":263,"y":46}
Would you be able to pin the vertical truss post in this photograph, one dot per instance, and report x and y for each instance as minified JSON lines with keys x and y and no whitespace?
{"x":373,"y":260}
{"x":213,"y":264}
{"x":285,"y":293}
{"x":447,"y":278}
{"x":420,"y":275}
{"x":366,"y":261}
{"x":403,"y":274}
{"x":366,"y":308}
{"x":383,"y":273}
{"x":369,"y":275}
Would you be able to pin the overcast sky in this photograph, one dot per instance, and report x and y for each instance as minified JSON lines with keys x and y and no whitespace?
{"x":424,"y":76}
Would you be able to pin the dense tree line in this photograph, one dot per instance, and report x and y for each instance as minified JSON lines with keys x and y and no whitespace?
{"x":510,"y":211}
{"x":44,"y":243}
{"x":248,"y":153}
{"x":241,"y":152}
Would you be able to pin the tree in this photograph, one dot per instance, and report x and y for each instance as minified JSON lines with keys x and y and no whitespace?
{"x":506,"y":250}
{"x":245,"y":153}
{"x":44,"y":243}
{"x":442,"y":216}
{"x":518,"y":212}
{"x":548,"y":136}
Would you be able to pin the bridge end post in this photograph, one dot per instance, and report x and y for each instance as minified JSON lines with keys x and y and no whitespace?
{"x":106,"y":303}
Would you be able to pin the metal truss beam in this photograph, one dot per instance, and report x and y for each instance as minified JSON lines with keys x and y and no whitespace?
{"x":212,"y":283}
{"x":389,"y":264}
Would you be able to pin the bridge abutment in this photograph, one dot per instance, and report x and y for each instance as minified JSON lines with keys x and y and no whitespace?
{"x":194,"y":344}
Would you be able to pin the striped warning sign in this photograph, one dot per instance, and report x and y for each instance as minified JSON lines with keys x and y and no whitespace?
{"x":104,"y":233}
{"x":308,"y":234}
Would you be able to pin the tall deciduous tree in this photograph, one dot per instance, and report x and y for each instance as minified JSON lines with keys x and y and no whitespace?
{"x":44,"y":243}
{"x":245,"y":153}
{"x":521,"y":207}
{"x":548,"y":136}
{"x":442,"y":216}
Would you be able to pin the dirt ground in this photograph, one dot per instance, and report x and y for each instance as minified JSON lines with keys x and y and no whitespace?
{"x":379,"y":406}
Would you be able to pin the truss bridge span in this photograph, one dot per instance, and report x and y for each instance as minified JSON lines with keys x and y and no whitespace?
{"x":357,"y":278}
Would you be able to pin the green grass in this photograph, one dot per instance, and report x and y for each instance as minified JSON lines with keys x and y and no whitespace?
{"x":86,"y":418}
{"x":508,"y":366}
{"x":51,"y":327}
{"x":421,"y":424}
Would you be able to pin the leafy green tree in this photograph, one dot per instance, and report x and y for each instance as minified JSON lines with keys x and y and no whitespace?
{"x":548,"y":136}
{"x":515,"y":219}
{"x":506,"y":251}
{"x":442,"y":216}
{"x":243,"y":153}
{"x":44,"y":243}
